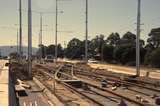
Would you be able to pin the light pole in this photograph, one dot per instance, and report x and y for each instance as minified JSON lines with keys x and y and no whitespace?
{"x":138,"y":37}
{"x":29,"y":39}
{"x":86,"y":38}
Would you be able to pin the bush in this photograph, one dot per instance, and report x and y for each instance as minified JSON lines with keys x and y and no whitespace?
{"x":153,"y":58}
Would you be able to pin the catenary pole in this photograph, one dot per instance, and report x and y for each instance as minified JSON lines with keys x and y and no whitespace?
{"x":138,"y":37}
{"x":17,"y":41}
{"x":86,"y":37}
{"x":56,"y":48}
{"x":29,"y":40}
{"x":41,"y":34}
{"x":20,"y":28}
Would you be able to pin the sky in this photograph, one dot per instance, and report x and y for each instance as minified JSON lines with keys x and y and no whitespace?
{"x":105,"y":17}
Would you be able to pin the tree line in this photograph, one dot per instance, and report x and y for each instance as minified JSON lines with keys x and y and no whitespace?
{"x":113,"y":49}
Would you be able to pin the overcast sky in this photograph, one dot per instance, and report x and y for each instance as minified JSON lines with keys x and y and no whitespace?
{"x":105,"y":17}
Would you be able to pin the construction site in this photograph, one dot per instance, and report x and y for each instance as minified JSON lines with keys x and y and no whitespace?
{"x":101,"y":71}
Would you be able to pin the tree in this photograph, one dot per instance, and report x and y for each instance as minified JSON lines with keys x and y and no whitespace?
{"x":50,"y":50}
{"x":74,"y":49}
{"x":154,"y":58}
{"x":108,"y":51}
{"x":14,"y":55}
{"x":154,"y":37}
{"x":42,"y":51}
{"x":148,"y":48}
{"x":60,"y":51}
{"x":125,"y":51}
{"x":113,"y":39}
{"x":96,"y":45}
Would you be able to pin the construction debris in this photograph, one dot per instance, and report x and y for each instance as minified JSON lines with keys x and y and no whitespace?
{"x":122,"y":103}
{"x":157,"y":102}
{"x":23,"y":84}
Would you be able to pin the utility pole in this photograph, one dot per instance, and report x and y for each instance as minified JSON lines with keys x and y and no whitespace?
{"x":138,"y":37}
{"x":29,"y":39}
{"x":56,"y":48}
{"x":86,"y":40}
{"x":17,"y":41}
{"x":40,"y":35}
{"x":102,"y":46}
{"x":20,"y":28}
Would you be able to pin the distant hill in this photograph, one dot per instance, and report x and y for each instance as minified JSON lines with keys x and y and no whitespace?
{"x":6,"y":50}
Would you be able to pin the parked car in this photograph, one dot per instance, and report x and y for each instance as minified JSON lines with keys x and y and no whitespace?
{"x":49,"y":58}
{"x":92,"y":61}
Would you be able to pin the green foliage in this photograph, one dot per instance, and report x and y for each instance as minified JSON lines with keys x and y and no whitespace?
{"x":75,"y":49}
{"x":154,"y":37}
{"x":154,"y":58}
{"x":14,"y":55}
{"x":124,"y":54}
{"x":121,"y":50}
{"x":96,"y":44}
{"x":113,"y":39}
{"x":50,"y":50}
{"x":108,"y":51}
{"x":152,"y":48}
{"x":125,"y":51}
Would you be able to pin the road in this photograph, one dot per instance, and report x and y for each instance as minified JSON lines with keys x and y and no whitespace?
{"x":154,"y":73}
{"x":127,"y":70}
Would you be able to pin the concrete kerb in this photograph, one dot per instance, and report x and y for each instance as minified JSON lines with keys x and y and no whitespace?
{"x":48,"y":93}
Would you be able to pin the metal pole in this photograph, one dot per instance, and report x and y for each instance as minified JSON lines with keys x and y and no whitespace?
{"x":56,"y":48}
{"x":137,"y":38}
{"x":29,"y":40}
{"x":40,"y":36}
{"x":17,"y":42}
{"x":102,"y":46}
{"x":41,"y":28}
{"x":86,"y":40}
{"x":20,"y":28}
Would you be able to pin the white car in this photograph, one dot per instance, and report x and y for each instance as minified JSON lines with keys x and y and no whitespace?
{"x":92,"y":61}
{"x":49,"y":58}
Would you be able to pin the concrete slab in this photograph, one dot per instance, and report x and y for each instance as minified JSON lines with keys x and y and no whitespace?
{"x":31,"y":98}
{"x":4,"y":84}
{"x":50,"y":95}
